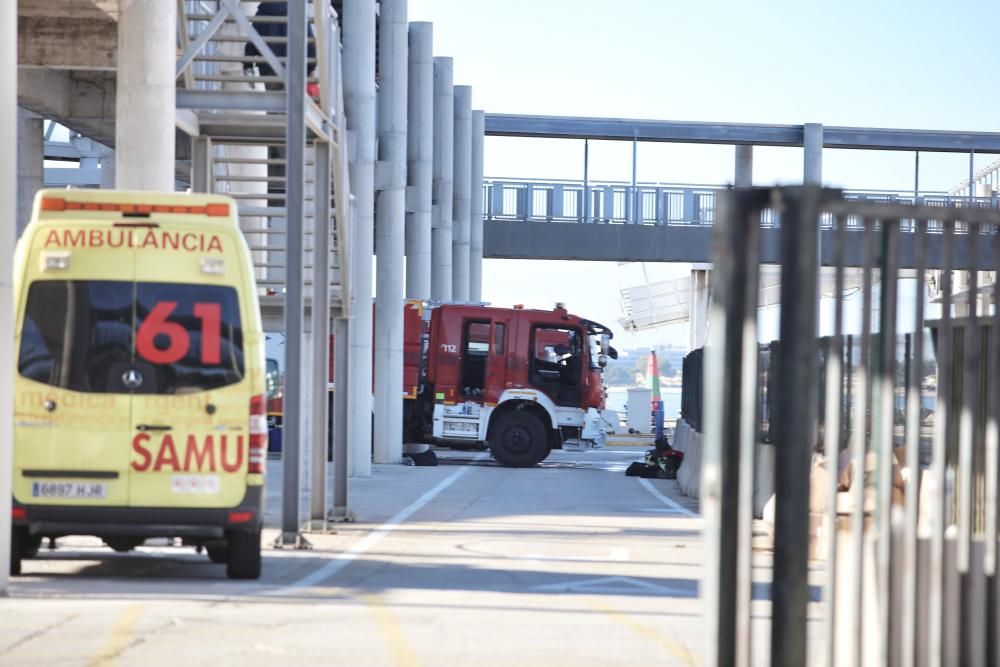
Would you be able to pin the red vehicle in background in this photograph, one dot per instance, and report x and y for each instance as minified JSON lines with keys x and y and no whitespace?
{"x":521,"y":382}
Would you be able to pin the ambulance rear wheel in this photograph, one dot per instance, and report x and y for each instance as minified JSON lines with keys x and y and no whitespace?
{"x":243,"y":560}
{"x":518,"y":440}
{"x":17,"y":536}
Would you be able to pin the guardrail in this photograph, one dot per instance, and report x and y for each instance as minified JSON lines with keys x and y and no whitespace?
{"x":652,"y":203}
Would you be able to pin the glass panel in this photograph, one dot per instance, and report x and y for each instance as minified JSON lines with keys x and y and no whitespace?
{"x":77,"y":335}
{"x":189,"y":337}
{"x":477,"y":338}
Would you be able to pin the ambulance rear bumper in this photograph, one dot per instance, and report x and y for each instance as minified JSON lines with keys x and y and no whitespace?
{"x":209,"y":523}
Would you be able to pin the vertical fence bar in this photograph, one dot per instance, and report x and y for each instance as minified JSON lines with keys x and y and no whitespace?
{"x":720,"y":477}
{"x":858,"y":445}
{"x":882,"y":430}
{"x":938,"y":493}
{"x":797,"y":412}
{"x":966,"y":474}
{"x":833,"y":436}
{"x":913,"y":422}
{"x":991,"y":462}
{"x":748,"y":432}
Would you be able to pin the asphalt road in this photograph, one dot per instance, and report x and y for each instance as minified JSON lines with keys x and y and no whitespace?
{"x":468,"y":563}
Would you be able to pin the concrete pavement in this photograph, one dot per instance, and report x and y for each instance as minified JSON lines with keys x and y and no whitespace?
{"x":466,"y":563}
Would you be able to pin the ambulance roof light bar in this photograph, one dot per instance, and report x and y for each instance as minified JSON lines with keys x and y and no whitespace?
{"x":58,"y":204}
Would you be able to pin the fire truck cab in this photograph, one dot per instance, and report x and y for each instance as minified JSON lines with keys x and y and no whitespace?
{"x":522,"y":382}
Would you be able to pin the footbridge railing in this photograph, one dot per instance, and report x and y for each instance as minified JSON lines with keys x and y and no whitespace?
{"x":650,"y":203}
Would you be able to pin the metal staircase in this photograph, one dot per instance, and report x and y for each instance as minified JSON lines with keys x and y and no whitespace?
{"x":233,"y":104}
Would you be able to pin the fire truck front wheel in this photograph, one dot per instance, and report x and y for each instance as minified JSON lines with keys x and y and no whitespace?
{"x":518,"y":440}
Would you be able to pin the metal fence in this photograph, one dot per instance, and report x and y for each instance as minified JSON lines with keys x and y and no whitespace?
{"x":901,"y":397}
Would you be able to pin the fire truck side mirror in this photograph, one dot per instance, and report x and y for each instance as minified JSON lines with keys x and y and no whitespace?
{"x":602,"y":360}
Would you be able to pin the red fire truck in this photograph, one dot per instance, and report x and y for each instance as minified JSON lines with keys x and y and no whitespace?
{"x":521,"y":382}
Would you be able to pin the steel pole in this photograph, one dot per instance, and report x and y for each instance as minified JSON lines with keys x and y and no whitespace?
{"x":444,"y":159}
{"x":462,"y":181}
{"x":388,"y":429}
{"x":295,"y":140}
{"x":8,"y":184}
{"x":420,"y":160}
{"x":359,"y":94}
{"x":320,"y":333}
{"x":476,"y":210}
{"x":341,"y":348}
{"x":812,"y":149}
{"x":633,"y":215}
{"x":743,"y":178}
{"x":145,"y":99}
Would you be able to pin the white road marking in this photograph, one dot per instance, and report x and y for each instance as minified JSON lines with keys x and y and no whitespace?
{"x":666,"y":501}
{"x":341,"y":560}
{"x":611,"y":585}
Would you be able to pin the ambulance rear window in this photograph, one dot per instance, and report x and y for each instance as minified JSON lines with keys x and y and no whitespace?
{"x":88,"y":335}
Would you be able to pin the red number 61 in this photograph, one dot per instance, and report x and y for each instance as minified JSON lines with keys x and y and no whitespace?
{"x":157,"y":324}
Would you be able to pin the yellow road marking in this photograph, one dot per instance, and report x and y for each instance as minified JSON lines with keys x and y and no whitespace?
{"x":392,"y":632}
{"x":675,"y":649}
{"x":121,"y":634}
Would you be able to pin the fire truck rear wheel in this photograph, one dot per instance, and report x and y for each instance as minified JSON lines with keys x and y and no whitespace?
{"x":518,"y":440}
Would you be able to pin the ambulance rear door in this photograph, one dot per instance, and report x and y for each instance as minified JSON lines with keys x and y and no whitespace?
{"x":74,"y":343}
{"x":190,"y":416}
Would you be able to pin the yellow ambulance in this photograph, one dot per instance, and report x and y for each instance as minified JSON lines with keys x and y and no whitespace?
{"x":140,"y":405}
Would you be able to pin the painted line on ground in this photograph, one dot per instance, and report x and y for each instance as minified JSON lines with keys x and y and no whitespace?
{"x":677,"y":649}
{"x":340,"y":561}
{"x":666,"y":501}
{"x":392,"y":632}
{"x":119,"y":638}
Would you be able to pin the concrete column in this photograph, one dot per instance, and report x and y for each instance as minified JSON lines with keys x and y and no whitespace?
{"x":30,"y":164}
{"x":441,"y":197}
{"x":8,"y":184}
{"x":699,"y":305}
{"x":108,"y":172}
{"x":812,"y":145}
{"x":420,"y":160}
{"x":476,"y":209}
{"x":359,"y":102}
{"x":744,"y":166}
{"x":461,"y":192}
{"x":145,"y":105}
{"x":390,"y":229}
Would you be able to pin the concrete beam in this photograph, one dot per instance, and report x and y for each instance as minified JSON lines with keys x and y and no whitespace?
{"x":625,"y":129}
{"x":686,"y":243}
{"x":77,"y":9}
{"x":67,"y":43}
{"x":82,"y":101}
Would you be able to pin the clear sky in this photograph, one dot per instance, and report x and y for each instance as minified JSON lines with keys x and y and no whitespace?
{"x":914,"y":64}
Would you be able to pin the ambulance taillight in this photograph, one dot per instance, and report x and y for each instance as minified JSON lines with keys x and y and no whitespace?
{"x":258,"y":434}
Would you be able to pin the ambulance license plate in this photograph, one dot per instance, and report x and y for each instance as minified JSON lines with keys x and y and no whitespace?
{"x":82,"y":490}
